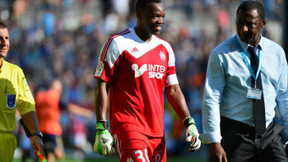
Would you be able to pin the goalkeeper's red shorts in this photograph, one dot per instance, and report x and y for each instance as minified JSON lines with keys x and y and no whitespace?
{"x":139,"y":148}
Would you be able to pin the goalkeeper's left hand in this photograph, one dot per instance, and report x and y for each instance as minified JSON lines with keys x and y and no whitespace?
{"x":103,"y":141}
{"x":192,"y":134}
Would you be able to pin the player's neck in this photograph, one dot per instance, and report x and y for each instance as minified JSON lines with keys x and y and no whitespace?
{"x":143,"y":34}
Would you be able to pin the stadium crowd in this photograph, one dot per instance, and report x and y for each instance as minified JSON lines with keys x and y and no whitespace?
{"x":62,"y":39}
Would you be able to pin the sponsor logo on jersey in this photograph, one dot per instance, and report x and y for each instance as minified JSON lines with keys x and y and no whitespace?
{"x":154,"y":71}
{"x":99,"y":69}
{"x":129,"y":160}
{"x":11,"y":101}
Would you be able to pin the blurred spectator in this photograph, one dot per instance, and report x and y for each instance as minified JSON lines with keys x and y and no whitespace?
{"x":48,"y":106}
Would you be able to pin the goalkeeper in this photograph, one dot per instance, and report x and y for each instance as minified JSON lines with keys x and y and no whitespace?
{"x":135,"y":66}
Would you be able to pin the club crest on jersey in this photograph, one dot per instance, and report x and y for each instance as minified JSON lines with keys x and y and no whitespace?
{"x":154,"y":71}
{"x":11,"y":101}
{"x":162,"y":56}
{"x":99,"y":69}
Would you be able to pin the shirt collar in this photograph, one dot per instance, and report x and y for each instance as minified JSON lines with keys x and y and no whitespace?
{"x":245,"y":45}
{"x":3,"y":65}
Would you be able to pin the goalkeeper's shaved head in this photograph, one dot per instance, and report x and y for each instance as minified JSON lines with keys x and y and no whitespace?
{"x":141,"y":5}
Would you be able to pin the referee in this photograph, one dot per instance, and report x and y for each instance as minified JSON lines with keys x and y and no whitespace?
{"x":14,"y":93}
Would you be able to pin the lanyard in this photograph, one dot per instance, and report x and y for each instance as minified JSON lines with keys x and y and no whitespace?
{"x":246,"y":60}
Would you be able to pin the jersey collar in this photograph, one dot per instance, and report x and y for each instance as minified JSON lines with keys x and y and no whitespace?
{"x":3,"y":65}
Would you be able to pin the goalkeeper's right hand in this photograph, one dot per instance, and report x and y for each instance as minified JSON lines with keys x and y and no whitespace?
{"x":192,"y":134}
{"x":103,"y":141}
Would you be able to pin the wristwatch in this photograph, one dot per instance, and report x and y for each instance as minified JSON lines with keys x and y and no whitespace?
{"x":38,"y":133}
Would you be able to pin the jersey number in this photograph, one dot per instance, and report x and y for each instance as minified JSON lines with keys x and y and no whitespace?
{"x":139,"y":155}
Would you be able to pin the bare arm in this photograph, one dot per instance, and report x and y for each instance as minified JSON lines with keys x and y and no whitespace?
{"x":103,"y":141}
{"x":177,"y":100}
{"x":217,"y":153}
{"x":31,"y":122}
{"x":79,"y":110}
{"x":101,"y":100}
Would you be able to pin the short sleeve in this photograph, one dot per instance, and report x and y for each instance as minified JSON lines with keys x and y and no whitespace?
{"x":25,"y":101}
{"x":106,"y":63}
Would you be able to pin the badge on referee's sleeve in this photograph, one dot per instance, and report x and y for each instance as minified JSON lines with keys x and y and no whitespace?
{"x":11,"y":101}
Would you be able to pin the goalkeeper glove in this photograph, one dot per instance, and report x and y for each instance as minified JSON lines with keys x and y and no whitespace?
{"x":192,"y":134}
{"x":103,"y":141}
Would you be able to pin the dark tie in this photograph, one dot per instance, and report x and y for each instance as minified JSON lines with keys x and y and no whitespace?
{"x":258,"y":105}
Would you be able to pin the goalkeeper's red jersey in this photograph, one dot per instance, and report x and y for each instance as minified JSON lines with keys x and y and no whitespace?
{"x":137,"y":73}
